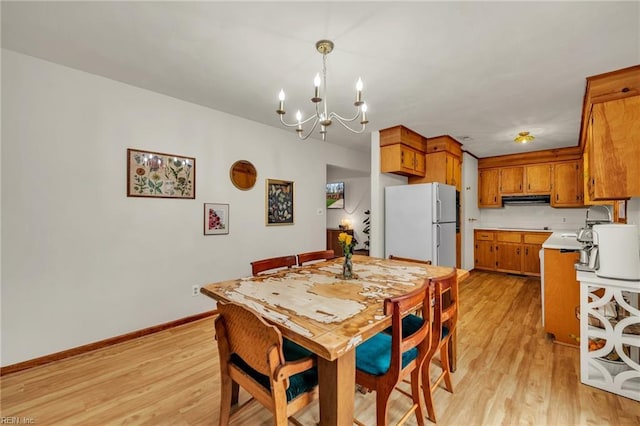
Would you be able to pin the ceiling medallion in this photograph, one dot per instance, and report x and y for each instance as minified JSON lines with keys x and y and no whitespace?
{"x":524,"y":137}
{"x":322,"y":114}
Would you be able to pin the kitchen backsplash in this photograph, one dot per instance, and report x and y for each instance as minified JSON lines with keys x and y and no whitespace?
{"x":534,"y":217}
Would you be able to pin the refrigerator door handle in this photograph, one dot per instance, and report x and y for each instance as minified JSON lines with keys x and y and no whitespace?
{"x":438,"y":210}
{"x":437,"y":235}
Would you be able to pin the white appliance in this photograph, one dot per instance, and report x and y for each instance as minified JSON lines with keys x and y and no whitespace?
{"x":420,"y":222}
{"x":618,"y":251}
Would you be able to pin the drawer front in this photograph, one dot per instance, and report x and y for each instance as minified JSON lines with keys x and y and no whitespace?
{"x":510,"y":237}
{"x":484,"y":236}
{"x":537,"y":238}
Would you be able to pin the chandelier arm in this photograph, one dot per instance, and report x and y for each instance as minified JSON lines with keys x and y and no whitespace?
{"x":296,"y":123}
{"x":339,"y":120}
{"x":344,"y":119}
{"x":315,"y":123}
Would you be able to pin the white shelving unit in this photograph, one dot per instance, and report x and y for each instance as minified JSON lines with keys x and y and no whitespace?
{"x":620,"y":333}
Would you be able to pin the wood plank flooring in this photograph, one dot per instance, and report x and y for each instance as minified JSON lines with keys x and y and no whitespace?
{"x":508,"y":373}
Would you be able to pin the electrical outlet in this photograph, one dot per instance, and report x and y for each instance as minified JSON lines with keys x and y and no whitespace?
{"x":564,"y":220}
{"x":195,"y":290}
{"x":319,"y":212}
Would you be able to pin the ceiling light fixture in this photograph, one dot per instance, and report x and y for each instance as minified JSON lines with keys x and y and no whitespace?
{"x":322,"y":115}
{"x":524,"y":137}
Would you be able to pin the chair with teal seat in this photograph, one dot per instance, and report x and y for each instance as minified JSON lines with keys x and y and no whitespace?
{"x":278,"y":373}
{"x":384,"y":360}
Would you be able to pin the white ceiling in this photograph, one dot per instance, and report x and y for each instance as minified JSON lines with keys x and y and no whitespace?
{"x":485,"y":70}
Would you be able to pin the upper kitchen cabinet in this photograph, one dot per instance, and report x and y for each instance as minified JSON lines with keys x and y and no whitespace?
{"x":489,"y":188}
{"x":614,"y":155}
{"x":402,"y":152}
{"x":610,"y":135}
{"x":532,"y":179}
{"x":443,"y":162}
{"x":567,"y":184}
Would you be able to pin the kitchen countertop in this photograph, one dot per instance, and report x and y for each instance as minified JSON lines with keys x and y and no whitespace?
{"x":523,"y":229}
{"x":562,"y":240}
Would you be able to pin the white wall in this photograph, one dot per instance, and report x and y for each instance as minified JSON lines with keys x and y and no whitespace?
{"x":81,"y":261}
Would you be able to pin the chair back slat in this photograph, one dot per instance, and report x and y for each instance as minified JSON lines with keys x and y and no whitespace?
{"x":315,"y":255}
{"x":272,"y":263}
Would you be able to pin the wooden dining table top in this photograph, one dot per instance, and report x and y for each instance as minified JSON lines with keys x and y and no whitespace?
{"x":315,"y":307}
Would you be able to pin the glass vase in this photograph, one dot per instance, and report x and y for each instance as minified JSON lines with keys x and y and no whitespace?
{"x":347,"y":267}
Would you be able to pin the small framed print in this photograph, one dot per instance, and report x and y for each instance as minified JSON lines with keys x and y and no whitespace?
{"x":279,"y":202}
{"x":216,"y":219}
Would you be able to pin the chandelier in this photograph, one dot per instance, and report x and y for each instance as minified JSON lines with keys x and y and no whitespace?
{"x":322,"y":115}
{"x":524,"y":137}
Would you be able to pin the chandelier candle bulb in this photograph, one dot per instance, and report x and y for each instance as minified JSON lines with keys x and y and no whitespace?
{"x":316,"y":94}
{"x":281,"y":107}
{"x":364,"y":114}
{"x":358,"y":92}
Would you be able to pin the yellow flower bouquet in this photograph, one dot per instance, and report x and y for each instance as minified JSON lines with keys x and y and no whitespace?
{"x":347,"y":242}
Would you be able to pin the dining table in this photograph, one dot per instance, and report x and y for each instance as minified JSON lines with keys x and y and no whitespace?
{"x":313,"y":306}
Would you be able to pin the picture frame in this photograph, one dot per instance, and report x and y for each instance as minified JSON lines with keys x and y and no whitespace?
{"x":159,"y":175}
{"x":335,"y":195}
{"x":279,"y":202}
{"x":216,"y":219}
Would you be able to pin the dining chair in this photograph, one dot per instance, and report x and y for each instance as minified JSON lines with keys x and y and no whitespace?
{"x":278,"y":373}
{"x":445,"y":319}
{"x":407,"y":259}
{"x":263,"y":265}
{"x":384,"y":360}
{"x":315,"y":255}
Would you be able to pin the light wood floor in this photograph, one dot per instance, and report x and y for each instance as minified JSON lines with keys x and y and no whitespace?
{"x":508,"y":373}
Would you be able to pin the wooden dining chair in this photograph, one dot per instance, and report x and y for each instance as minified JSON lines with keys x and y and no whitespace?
{"x":263,"y":265}
{"x":384,"y":360}
{"x":315,"y":255}
{"x":278,"y":373}
{"x":445,"y":320}
{"x":407,"y":259}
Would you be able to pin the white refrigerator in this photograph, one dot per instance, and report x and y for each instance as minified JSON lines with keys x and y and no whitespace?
{"x":420,"y":222}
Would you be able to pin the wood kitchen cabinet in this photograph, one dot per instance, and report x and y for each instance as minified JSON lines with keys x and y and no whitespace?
{"x":402,"y":152}
{"x":531,"y":179}
{"x":515,"y":252}
{"x":332,"y":240}
{"x":614,"y":149}
{"x":561,"y":296}
{"x":509,"y":252}
{"x":489,"y":188}
{"x":403,"y":160}
{"x":531,"y":246}
{"x":568,"y":188}
{"x":443,"y":162}
{"x":484,"y":250}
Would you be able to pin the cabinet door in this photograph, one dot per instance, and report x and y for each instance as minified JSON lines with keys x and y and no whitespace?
{"x":402,"y":160}
{"x":509,"y":257}
{"x":454,"y":172}
{"x":567,"y":185}
{"x":488,"y":185}
{"x":561,"y":295}
{"x":531,"y":259}
{"x":485,"y":255}
{"x":511,"y":179}
{"x":538,"y":179}
{"x":419,"y":163}
{"x":615,"y":149}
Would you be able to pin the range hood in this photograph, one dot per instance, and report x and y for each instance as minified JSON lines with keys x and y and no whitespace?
{"x":526,"y":200}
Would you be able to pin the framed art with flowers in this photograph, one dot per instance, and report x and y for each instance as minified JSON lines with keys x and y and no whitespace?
{"x":159,"y":175}
{"x":279,"y":202}
{"x":216,"y":219}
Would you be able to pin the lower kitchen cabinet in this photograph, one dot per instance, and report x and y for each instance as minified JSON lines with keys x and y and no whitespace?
{"x":514,"y":252}
{"x":561,"y":296}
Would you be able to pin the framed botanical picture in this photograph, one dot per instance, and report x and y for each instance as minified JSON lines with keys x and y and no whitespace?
{"x":279,"y":202}
{"x":335,"y":195}
{"x":159,"y":175}
{"x":216,"y":219}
